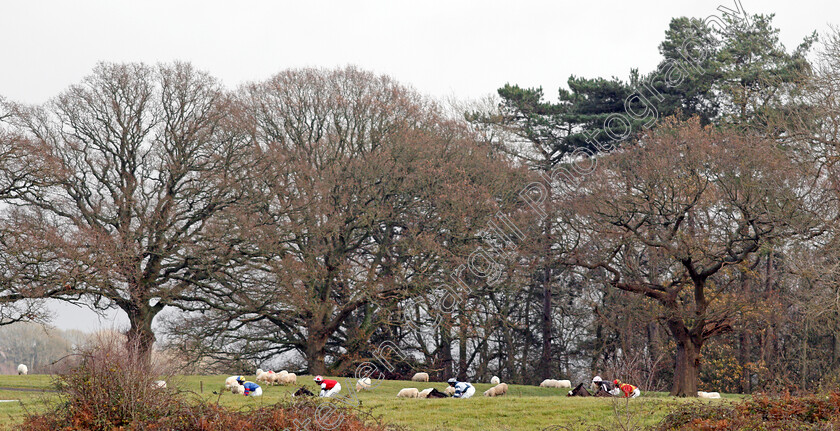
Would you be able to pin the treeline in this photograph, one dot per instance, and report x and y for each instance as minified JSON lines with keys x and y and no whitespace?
{"x":40,"y":349}
{"x":674,"y":228}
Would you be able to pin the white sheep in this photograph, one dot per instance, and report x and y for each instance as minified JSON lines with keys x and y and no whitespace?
{"x":497,"y":391}
{"x":159,"y":384}
{"x":495,"y":380}
{"x":264,"y":376}
{"x":238,"y":390}
{"x":363,"y":384}
{"x":231,"y":381}
{"x":420,"y":377}
{"x":409,"y":393}
{"x":22,"y":370}
{"x":288,"y":379}
{"x":450,"y":390}
{"x":551,"y":383}
{"x":280,"y":377}
{"x":425,"y":393}
{"x":702,"y":394}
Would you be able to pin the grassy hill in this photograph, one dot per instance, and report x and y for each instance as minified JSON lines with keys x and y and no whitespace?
{"x":523,"y":408}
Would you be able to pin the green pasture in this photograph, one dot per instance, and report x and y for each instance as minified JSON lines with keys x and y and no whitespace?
{"x":523,"y":408}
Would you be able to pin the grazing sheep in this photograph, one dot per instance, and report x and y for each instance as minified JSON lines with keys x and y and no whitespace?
{"x":425,"y":393}
{"x":22,"y":370}
{"x":449,"y":391}
{"x":551,"y":383}
{"x":159,"y":384}
{"x":264,"y":376}
{"x":237,"y":390}
{"x":288,"y":379}
{"x":232,"y":381}
{"x":702,"y":394}
{"x":496,"y":391}
{"x":408,"y":393}
{"x":363,"y":383}
{"x":495,"y":381}
{"x":420,"y":377}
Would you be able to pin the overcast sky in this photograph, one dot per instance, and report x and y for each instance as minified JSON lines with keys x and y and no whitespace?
{"x":465,"y":49}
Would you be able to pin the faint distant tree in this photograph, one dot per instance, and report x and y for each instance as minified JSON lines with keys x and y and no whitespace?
{"x":137,"y":162}
{"x":672,"y":218}
{"x":34,"y":345}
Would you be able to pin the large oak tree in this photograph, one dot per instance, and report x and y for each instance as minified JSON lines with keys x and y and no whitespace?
{"x":673,"y":217}
{"x":137,"y":161}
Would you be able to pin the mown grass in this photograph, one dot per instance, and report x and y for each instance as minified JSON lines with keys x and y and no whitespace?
{"x":32,"y":401}
{"x":523,"y":408}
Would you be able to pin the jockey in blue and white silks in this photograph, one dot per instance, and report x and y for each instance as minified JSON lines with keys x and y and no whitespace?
{"x":462,"y":389}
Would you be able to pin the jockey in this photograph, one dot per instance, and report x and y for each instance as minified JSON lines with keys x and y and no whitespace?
{"x":328,"y":387}
{"x":598,"y":383}
{"x":629,"y":390}
{"x":251,"y":389}
{"x":462,"y":389}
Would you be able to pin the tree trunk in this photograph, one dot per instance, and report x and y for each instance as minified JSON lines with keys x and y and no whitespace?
{"x":546,"y":370}
{"x":316,"y":347}
{"x":745,"y":354}
{"x":835,"y":352}
{"x":462,"y":347}
{"x":140,"y":338}
{"x":445,"y":352}
{"x":687,"y":361}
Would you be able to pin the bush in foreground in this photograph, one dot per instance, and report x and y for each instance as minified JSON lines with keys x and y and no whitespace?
{"x":109,"y":389}
{"x":292,"y":415}
{"x":785,"y":413}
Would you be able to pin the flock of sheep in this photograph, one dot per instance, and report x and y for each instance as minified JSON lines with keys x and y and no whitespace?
{"x":266,"y":377}
{"x":279,"y":378}
{"x":496,"y":391}
{"x":286,"y":378}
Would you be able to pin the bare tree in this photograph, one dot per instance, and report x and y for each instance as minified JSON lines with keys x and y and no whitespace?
{"x":366,"y":196}
{"x":20,"y":171}
{"x":671,"y":218}
{"x":141,"y":159}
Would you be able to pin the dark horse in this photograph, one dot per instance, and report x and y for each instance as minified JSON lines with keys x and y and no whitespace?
{"x":602,"y":392}
{"x":303,"y":392}
{"x":579,"y":391}
{"x":437,"y":394}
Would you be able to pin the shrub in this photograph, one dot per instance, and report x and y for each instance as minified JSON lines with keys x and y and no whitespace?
{"x":110,"y":389}
{"x":784,"y":413}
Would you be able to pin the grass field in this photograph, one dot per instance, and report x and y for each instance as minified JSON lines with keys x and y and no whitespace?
{"x":523,"y":408}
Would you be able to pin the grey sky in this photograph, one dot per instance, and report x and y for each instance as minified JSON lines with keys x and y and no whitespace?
{"x":465,"y":49}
